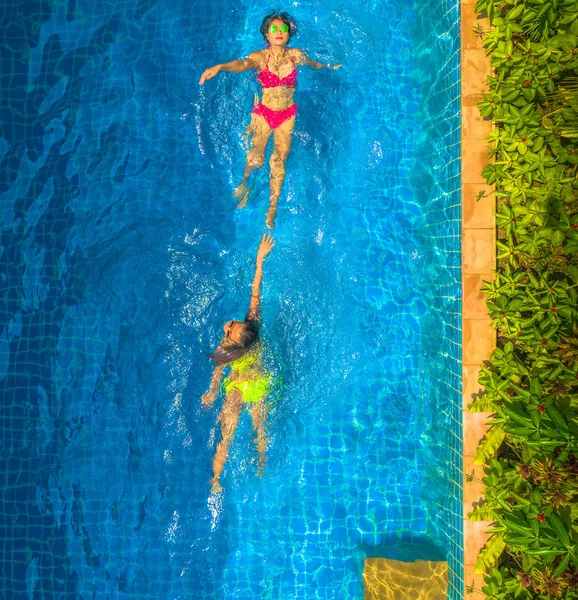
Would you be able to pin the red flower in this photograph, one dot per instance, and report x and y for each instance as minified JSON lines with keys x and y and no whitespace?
{"x":511,"y":252}
{"x":553,"y":309}
{"x":541,"y":517}
{"x":513,"y":219}
{"x":575,"y":226}
{"x":520,"y":333}
{"x":541,"y":408}
{"x":526,"y":83}
{"x":544,"y":342}
{"x":524,"y":139}
{"x":509,"y":58}
{"x":552,"y":290}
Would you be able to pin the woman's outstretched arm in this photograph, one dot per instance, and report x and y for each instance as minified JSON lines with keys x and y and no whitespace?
{"x":266,"y":245}
{"x":234,"y":66}
{"x":209,"y":397}
{"x":302,"y":59}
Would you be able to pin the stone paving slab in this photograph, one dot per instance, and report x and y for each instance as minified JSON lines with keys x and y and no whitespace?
{"x":478,"y":264}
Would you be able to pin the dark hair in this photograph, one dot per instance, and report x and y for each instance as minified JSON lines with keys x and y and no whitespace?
{"x":282,"y":16}
{"x":248,"y":337}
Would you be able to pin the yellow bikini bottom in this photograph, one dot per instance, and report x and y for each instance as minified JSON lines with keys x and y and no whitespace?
{"x":252,"y":390}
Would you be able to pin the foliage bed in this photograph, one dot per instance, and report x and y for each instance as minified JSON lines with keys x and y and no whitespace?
{"x":530,"y":383}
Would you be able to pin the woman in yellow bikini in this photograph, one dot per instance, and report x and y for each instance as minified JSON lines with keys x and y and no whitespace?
{"x":277,"y":74}
{"x":247,"y":383}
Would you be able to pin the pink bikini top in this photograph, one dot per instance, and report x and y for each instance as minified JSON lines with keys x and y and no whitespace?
{"x":268,"y":79}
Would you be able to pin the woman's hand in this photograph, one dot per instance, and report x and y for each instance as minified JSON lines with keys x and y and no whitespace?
{"x":208,"y":398}
{"x":266,"y":245}
{"x":209,"y":73}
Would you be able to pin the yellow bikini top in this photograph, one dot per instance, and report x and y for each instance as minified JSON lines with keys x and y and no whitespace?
{"x":240,"y":365}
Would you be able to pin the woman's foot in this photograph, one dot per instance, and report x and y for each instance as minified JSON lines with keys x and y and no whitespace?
{"x":215,"y":486}
{"x":242,"y":192}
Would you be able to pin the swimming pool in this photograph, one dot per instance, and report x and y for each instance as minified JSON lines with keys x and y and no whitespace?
{"x":123,"y":256}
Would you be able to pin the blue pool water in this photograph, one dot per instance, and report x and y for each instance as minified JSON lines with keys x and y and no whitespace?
{"x":122,"y":256}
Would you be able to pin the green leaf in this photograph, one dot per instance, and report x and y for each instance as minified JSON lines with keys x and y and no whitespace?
{"x":482,"y":404}
{"x":516,"y":413}
{"x":482,"y":512}
{"x":539,"y":142}
{"x":544,"y":552}
{"x":523,"y":540}
{"x":528,"y":562}
{"x":557,"y":237}
{"x":490,"y":553}
{"x":512,"y":96}
{"x":515,"y":12}
{"x":489,"y":444}
{"x":527,"y":453}
{"x":559,"y":529}
{"x":557,"y":418}
{"x":517,"y":525}
{"x":562,"y":566}
{"x":536,"y":497}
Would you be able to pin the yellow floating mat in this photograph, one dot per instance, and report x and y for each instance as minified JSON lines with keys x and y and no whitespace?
{"x":386,"y":579}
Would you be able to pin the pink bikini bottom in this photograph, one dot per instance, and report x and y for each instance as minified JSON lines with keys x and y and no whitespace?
{"x":275,"y":117}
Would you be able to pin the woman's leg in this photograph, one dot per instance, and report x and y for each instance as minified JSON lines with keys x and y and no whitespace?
{"x":260,"y":131}
{"x":259,"y":411}
{"x":228,"y":417}
{"x":282,"y":137}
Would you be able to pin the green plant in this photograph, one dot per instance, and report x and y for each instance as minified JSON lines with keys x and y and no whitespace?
{"x":563,"y":105}
{"x":530,"y":382}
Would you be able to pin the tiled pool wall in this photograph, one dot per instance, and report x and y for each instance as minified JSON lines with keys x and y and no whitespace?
{"x":443,"y":232}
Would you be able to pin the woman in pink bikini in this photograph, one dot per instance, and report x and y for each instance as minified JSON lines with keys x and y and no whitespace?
{"x":277,"y":74}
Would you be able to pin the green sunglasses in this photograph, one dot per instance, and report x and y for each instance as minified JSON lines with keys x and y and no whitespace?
{"x":281,"y":28}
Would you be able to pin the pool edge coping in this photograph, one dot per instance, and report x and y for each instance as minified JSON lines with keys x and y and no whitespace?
{"x":478,"y":264}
